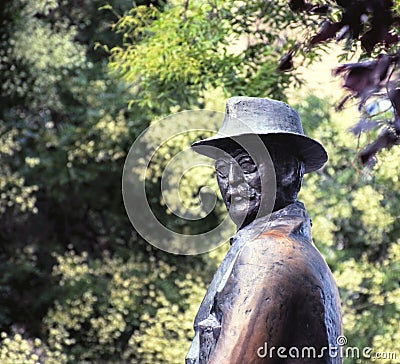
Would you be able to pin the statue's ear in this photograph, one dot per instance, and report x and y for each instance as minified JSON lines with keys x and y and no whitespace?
{"x":290,"y":176}
{"x":293,"y":173}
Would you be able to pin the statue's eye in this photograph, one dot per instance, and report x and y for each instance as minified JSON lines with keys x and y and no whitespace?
{"x":222,"y":168}
{"x":248,"y":166}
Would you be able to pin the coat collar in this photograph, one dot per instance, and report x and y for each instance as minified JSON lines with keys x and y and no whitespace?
{"x":290,"y":216}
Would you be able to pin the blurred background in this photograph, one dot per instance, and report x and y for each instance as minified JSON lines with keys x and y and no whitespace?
{"x":80,"y":80}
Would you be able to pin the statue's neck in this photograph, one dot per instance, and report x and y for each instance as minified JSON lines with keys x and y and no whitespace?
{"x":294,"y":210}
{"x":279,"y":205}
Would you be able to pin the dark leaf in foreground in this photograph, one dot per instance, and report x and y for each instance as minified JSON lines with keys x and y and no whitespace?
{"x":340,"y":105}
{"x":342,"y":3}
{"x":328,"y":31}
{"x":394,"y":96}
{"x":352,"y":16}
{"x":322,"y":9}
{"x":365,"y":78}
{"x":359,"y":79}
{"x":382,"y":66}
{"x":286,"y":62}
{"x":299,"y":5}
{"x":378,"y":34}
{"x":396,"y":126}
{"x":370,"y":39}
{"x":386,"y":139}
{"x":381,"y":22}
{"x":390,"y":39}
{"x":363,"y":125}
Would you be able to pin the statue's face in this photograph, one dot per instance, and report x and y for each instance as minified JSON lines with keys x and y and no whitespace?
{"x":240,"y":185}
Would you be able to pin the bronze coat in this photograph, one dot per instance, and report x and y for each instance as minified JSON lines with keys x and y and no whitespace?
{"x":273,"y":289}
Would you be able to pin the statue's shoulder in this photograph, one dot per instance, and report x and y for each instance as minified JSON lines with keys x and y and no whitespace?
{"x":285,"y":249}
{"x":284,"y":237}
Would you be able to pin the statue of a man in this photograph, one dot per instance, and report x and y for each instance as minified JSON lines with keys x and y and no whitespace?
{"x":273,"y":298}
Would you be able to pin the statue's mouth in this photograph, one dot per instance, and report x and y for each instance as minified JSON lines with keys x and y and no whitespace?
{"x":239,"y":195}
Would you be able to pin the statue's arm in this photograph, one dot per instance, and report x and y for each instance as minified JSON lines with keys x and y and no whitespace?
{"x":256,"y":305}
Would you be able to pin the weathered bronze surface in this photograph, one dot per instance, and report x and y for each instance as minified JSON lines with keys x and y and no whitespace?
{"x":273,"y":298}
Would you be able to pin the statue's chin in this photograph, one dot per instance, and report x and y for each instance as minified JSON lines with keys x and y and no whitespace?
{"x":241,"y":217}
{"x":237,"y":219}
{"x":242,"y":211}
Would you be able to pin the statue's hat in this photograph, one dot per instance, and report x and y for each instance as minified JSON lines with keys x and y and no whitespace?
{"x":274,"y":121}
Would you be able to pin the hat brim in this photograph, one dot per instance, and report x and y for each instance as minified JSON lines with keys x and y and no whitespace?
{"x":311,"y":152}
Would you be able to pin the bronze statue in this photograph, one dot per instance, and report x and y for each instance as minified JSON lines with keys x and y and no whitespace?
{"x":273,"y":299}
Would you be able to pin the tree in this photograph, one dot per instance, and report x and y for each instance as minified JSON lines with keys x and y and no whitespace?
{"x":196,"y":46}
{"x":370,"y":29}
{"x":52,"y":107}
{"x":355,"y":225}
{"x":77,"y":283}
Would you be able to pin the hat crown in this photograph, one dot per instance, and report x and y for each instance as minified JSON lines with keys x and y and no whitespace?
{"x":252,"y":115}
{"x":274,"y":121}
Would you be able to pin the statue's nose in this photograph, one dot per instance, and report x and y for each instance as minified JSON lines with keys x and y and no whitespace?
{"x":235,"y":175}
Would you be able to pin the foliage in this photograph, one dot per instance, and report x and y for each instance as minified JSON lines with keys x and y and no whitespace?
{"x":175,"y":54}
{"x":370,"y":29}
{"x":77,"y":284}
{"x":55,"y":100}
{"x":122,"y":308}
{"x":65,"y":131}
{"x":16,"y":349}
{"x":356,"y":226}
